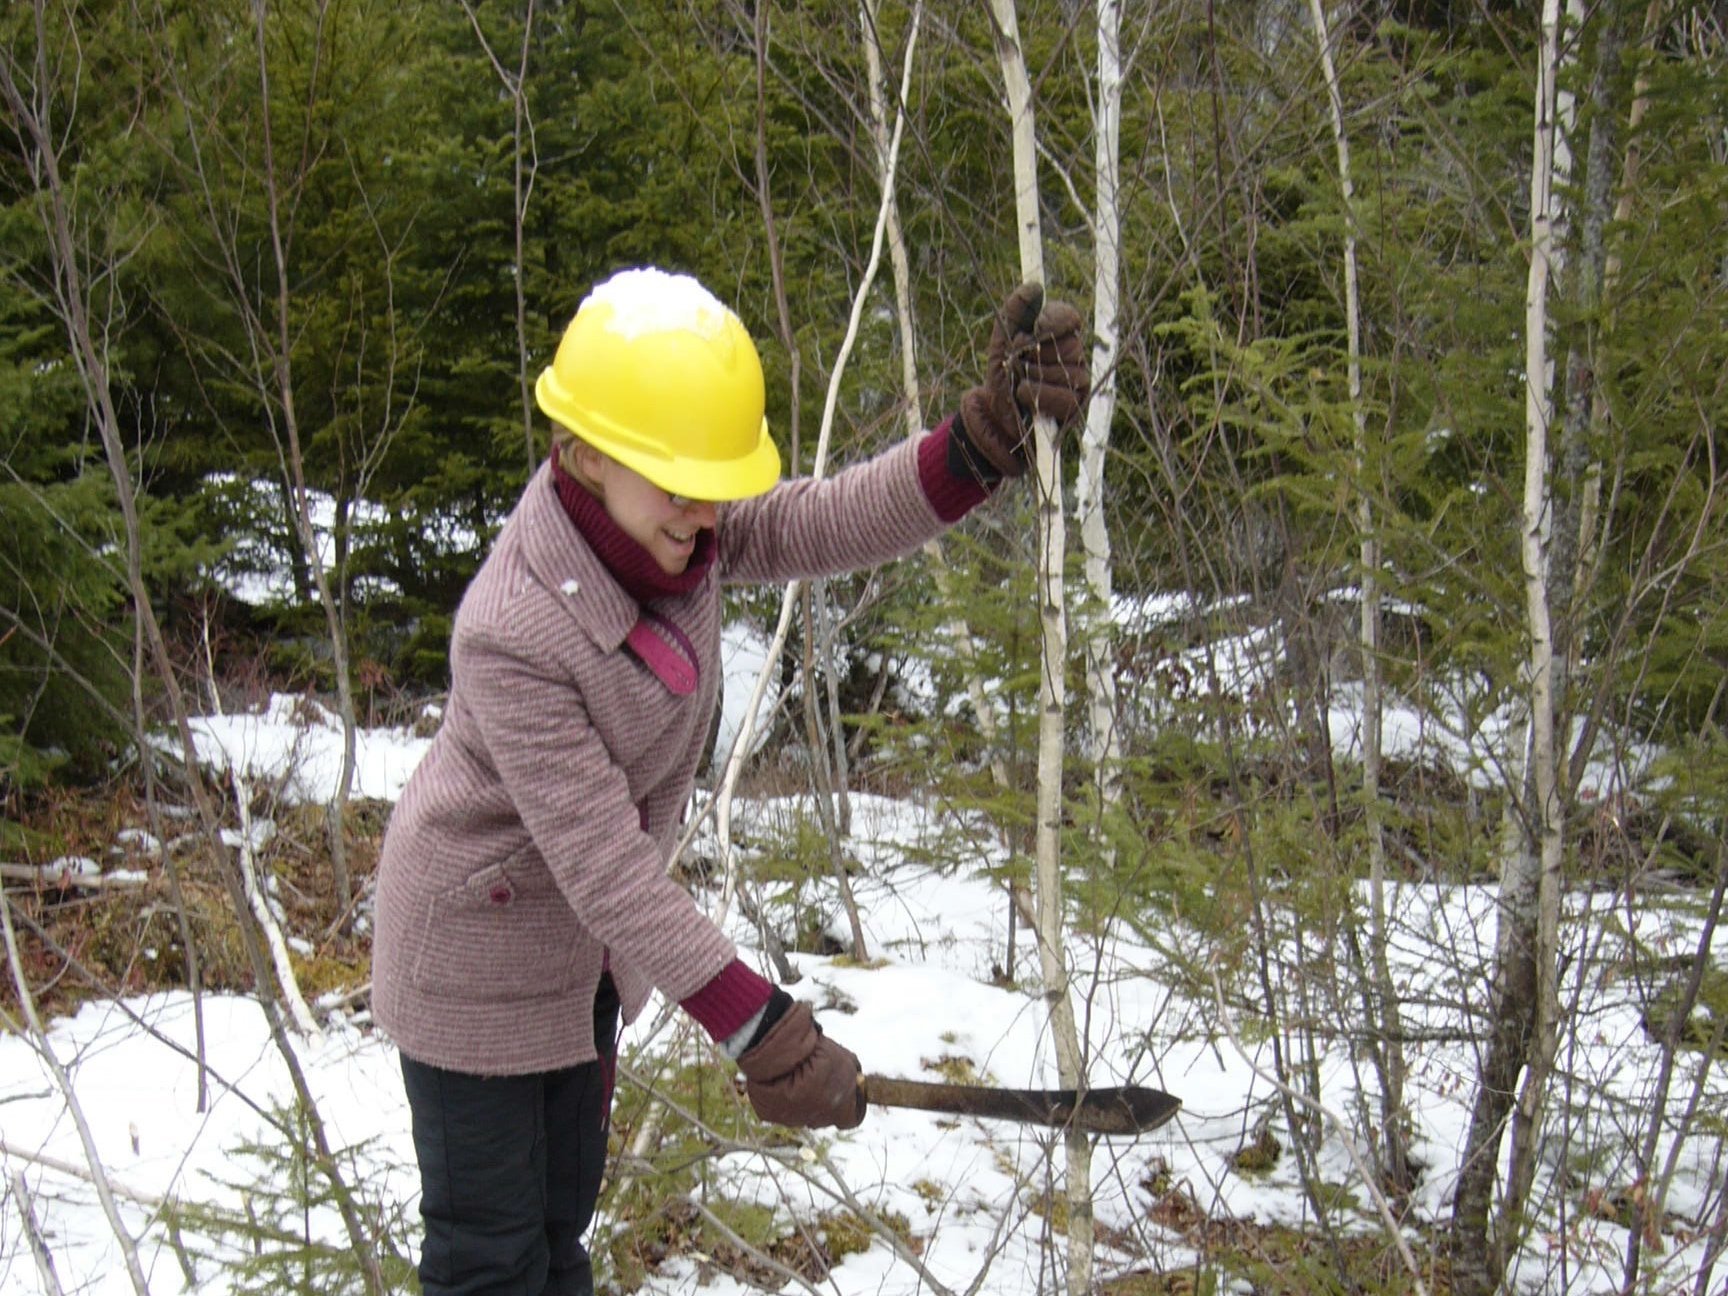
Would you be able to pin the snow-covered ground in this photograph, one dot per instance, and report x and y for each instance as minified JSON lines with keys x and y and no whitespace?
{"x":973,"y":1193}
{"x":969,"y":1189}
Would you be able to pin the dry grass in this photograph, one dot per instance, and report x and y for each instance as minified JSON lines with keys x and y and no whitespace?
{"x":121,"y":932}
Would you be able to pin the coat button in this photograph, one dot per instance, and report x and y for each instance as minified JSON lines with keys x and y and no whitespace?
{"x":501,"y":895}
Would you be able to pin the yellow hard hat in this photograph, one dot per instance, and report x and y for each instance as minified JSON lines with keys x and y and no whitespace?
{"x":656,"y":373}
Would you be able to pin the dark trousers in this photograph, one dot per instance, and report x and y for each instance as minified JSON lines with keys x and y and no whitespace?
{"x":510,"y":1170}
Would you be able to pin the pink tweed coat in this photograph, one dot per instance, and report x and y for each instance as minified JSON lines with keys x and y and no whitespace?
{"x":531,"y":842}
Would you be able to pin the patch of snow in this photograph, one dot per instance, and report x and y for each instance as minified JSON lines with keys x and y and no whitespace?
{"x":649,"y":300}
{"x":295,"y":745}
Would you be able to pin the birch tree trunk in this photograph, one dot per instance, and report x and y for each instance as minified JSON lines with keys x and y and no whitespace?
{"x":1544,"y":818}
{"x":1106,"y":740}
{"x":1385,"y":1028}
{"x":1052,"y":691}
{"x":1523,"y":1015}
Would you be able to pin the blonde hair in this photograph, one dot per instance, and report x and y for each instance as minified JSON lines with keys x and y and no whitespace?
{"x":564,"y":446}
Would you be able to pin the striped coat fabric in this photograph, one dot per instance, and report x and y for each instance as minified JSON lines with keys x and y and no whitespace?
{"x":528,"y":851}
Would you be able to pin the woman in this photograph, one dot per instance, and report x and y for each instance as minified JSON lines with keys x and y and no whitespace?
{"x":523,"y":900}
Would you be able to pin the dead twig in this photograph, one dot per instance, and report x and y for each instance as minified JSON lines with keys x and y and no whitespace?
{"x":72,"y":1170}
{"x":33,"y":1231}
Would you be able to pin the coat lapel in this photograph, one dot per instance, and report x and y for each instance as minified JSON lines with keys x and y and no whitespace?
{"x":562,"y":561}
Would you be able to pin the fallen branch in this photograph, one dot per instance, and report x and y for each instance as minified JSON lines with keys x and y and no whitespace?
{"x":47,"y":875}
{"x":257,"y":894}
{"x":83,"y":1174}
{"x":169,"y":1210}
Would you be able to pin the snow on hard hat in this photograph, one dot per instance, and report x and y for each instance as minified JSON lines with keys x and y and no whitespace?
{"x":655,"y":372}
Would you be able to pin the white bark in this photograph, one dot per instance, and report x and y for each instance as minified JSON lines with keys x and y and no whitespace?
{"x":1539,"y":415}
{"x":1052,"y":693}
{"x":1516,"y":1059}
{"x":1106,"y":741}
{"x":264,"y":913}
{"x":65,"y":879}
{"x":1542,"y":823}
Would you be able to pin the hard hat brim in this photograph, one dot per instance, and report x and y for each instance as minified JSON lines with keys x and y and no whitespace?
{"x":706,"y":479}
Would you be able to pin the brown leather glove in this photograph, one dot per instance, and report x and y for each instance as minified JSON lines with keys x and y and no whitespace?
{"x":798,"y":1076}
{"x":1036,"y":364}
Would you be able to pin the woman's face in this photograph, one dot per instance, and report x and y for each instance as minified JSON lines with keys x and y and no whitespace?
{"x":665,"y":525}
